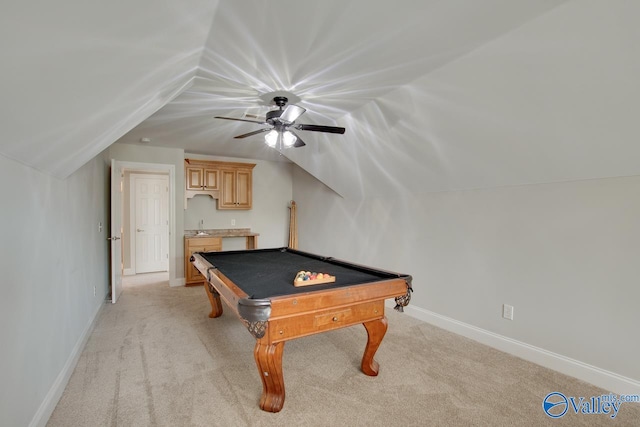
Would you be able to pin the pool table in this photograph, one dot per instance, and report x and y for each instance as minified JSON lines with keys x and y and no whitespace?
{"x":258,"y":286}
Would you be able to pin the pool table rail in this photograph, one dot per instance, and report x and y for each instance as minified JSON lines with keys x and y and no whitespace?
{"x":258,"y":310}
{"x":274,"y":320}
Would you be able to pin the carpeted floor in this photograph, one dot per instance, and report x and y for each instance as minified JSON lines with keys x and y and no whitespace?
{"x":155,"y":358}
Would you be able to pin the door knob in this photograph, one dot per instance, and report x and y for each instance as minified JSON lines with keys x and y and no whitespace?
{"x":113,"y":238}
{"x":139,"y":230}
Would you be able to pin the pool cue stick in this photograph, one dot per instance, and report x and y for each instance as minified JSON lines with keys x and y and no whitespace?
{"x":290,"y":226}
{"x":293,"y":228}
{"x":295,"y":225}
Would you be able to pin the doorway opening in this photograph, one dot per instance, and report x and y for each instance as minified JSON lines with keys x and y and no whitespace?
{"x":158,"y":244}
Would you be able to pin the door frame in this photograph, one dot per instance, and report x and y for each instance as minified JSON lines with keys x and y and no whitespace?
{"x":161,"y":168}
{"x":115,"y":229}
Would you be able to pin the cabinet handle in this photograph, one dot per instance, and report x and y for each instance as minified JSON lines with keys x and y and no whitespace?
{"x":139,"y":230}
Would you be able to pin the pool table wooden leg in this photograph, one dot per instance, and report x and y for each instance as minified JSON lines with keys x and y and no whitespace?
{"x":375,"y":331}
{"x":269,"y":361}
{"x":214,"y":299}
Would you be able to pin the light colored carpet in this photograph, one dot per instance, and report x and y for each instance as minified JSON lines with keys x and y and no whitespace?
{"x":155,"y":358}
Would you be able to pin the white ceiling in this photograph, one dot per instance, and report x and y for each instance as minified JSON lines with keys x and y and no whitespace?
{"x":435,"y":94}
{"x":335,"y":55}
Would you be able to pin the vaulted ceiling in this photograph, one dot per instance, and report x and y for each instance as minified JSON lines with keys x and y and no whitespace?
{"x":451,"y":93}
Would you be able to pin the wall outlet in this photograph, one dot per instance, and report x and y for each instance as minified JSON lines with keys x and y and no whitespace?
{"x":94,"y":290}
{"x":233,"y":222}
{"x":507,"y":311}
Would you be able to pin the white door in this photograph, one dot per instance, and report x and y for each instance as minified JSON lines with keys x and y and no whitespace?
{"x":117,"y":179}
{"x":151,"y":223}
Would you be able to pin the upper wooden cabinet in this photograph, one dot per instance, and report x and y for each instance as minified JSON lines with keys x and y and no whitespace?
{"x":202,"y":178}
{"x":228,"y":182}
{"x":236,"y":188}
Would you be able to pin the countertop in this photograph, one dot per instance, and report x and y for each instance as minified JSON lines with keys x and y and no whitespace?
{"x":221,"y":232}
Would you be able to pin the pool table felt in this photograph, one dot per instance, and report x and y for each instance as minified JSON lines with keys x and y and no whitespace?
{"x":267,"y":273}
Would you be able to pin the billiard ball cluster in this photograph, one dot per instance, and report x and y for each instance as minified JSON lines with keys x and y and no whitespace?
{"x":303,"y":276}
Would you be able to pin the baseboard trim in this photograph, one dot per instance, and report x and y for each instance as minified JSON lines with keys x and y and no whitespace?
{"x":50,"y":401}
{"x":129,"y":272}
{"x":607,"y":380}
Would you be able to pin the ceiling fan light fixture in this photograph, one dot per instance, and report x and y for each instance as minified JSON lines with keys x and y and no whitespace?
{"x":271,"y":138}
{"x":288,"y":138}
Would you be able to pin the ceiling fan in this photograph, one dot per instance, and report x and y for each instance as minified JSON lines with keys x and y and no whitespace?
{"x":282,"y":121}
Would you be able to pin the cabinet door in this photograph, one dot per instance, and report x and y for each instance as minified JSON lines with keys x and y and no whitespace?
{"x":243,"y":189}
{"x":211,"y":179}
{"x":209,"y":244}
{"x":227,"y":198}
{"x":192,"y":274}
{"x":195,"y":178}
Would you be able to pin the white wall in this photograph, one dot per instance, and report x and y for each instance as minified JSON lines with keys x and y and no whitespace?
{"x":51,"y":258}
{"x":564,"y":255}
{"x":269,"y":216}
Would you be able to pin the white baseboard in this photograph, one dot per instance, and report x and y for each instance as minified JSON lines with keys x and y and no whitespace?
{"x":178,"y":281}
{"x":55,"y":392}
{"x":607,"y":380}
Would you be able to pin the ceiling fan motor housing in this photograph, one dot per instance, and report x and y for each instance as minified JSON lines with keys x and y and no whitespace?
{"x":280,"y":101}
{"x":272,"y":115}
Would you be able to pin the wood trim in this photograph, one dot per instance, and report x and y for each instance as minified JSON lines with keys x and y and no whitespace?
{"x":219,"y":164}
{"x":297,"y":326}
{"x":337,"y":297}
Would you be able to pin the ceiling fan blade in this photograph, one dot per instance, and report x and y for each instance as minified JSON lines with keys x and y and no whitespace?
{"x":240,"y":120}
{"x":291,"y":113}
{"x":317,"y":128}
{"x":255,"y":132}
{"x":299,"y":142}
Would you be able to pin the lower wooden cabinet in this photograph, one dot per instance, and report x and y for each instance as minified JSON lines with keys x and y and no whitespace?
{"x":197,"y":244}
